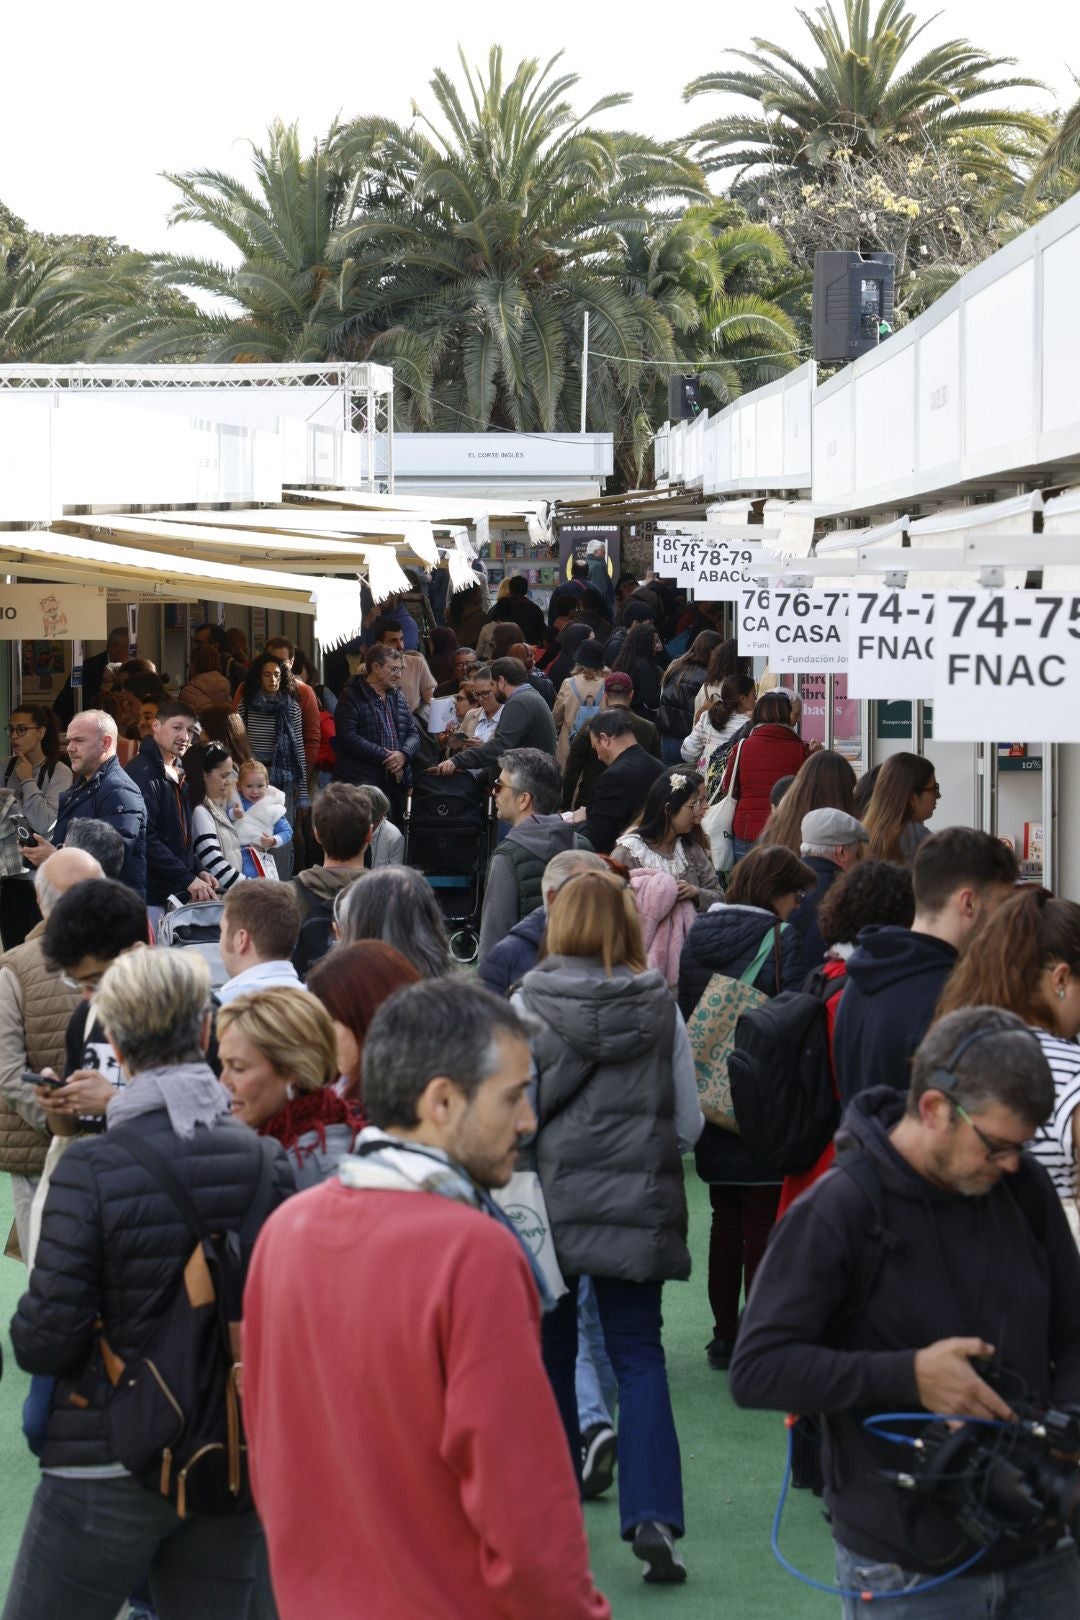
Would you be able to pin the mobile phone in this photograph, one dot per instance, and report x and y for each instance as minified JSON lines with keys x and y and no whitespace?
{"x":32,"y":1078}
{"x":25,"y":835}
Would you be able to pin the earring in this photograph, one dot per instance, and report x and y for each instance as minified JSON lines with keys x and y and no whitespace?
{"x":1061,"y":995}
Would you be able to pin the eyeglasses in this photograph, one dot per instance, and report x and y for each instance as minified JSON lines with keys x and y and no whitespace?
{"x":91,"y":983}
{"x":996,"y":1150}
{"x":20,"y":731}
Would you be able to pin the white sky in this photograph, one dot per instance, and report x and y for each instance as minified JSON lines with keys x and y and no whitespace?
{"x":107,"y":96}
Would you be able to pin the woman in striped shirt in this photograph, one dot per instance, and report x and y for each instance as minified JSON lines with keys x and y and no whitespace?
{"x":271,"y":715}
{"x":210,"y":775}
{"x":1026,"y":958}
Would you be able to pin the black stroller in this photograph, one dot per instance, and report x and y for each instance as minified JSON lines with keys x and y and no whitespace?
{"x":449,"y":836}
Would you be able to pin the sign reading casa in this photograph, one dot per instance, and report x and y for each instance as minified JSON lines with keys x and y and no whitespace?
{"x":809,"y":630}
{"x":53,"y":612}
{"x":1007,"y":664}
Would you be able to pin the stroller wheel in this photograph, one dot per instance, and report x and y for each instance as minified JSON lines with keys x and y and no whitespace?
{"x":464,"y":945}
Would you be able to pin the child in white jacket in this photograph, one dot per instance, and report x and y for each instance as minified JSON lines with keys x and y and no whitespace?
{"x":259,"y":820}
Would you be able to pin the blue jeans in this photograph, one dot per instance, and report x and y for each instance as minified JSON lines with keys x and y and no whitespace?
{"x":88,"y":1542}
{"x":743,"y":846}
{"x":671,"y":749}
{"x":650,"y":1473}
{"x":594,"y":1376}
{"x":1046,"y":1588}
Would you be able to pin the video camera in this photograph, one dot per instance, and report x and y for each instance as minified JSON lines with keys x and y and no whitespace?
{"x":1000,"y":1481}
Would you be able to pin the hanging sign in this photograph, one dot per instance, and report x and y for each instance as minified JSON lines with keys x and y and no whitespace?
{"x":712,"y":566}
{"x":1007,"y":663}
{"x":891,"y":644}
{"x":754,"y":634}
{"x":53,"y":612}
{"x":809,"y":630}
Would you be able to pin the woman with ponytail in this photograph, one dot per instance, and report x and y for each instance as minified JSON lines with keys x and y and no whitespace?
{"x":1026,"y":958}
{"x":721,"y":721}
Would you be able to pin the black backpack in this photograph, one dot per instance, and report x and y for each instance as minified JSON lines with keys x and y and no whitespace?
{"x":781,"y":1077}
{"x":174,"y":1414}
{"x":316,"y":928}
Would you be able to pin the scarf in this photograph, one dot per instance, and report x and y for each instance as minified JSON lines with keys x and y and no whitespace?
{"x":382,"y":1163}
{"x":310,"y":1112}
{"x":285,"y":768}
{"x":190,"y":1093}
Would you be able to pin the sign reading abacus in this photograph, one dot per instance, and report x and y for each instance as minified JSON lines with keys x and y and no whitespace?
{"x":808,"y":630}
{"x":891,"y":644}
{"x":1007,"y":664}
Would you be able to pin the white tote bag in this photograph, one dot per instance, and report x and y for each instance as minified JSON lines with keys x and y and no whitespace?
{"x":718,"y":822}
{"x":522,"y":1202}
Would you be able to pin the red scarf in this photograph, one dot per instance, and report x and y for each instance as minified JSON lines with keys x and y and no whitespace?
{"x":314,"y":1111}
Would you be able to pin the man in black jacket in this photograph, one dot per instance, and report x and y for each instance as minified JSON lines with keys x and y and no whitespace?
{"x":584,"y":768}
{"x":621,"y":791}
{"x":516,"y":608}
{"x":158,"y":773}
{"x":377,"y":737}
{"x":896,"y":975}
{"x":112,"y":1255}
{"x":935,"y":1242}
{"x":524,"y":722}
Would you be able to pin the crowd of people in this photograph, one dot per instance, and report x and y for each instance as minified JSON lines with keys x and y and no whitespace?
{"x":499,"y":1159}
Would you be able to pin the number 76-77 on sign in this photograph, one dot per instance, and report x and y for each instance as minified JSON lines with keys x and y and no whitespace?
{"x":1007,"y":659}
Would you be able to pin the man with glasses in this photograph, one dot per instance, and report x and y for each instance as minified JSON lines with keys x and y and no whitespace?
{"x":466,"y":663}
{"x":936,"y":1242}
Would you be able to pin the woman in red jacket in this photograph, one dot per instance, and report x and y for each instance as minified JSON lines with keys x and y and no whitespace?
{"x":772,"y":750}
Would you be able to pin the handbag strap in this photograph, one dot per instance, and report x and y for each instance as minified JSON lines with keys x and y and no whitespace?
{"x":177,"y":1193}
{"x":732,"y":780}
{"x":770,"y":938}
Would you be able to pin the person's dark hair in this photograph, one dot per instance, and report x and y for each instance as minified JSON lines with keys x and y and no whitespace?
{"x":959,"y":858}
{"x":724,"y":662}
{"x":205,"y":659}
{"x":97,"y":918}
{"x":221,"y":724}
{"x":763,"y":875}
{"x":341,"y":821}
{"x":532,"y":771}
{"x":1004,"y":963}
{"x":638,"y":644}
{"x":1004,"y":1065}
{"x":135,"y":669}
{"x":825,"y":782}
{"x":639,"y":611}
{"x":217,"y":635}
{"x":253,"y":677}
{"x":611,"y":723}
{"x":266,"y":911}
{"x":378,"y":654}
{"x":873,"y":893}
{"x":580,"y":569}
{"x":236,"y":644}
{"x":99,"y":839}
{"x":305,"y":670}
{"x":118,"y":633}
{"x":517,"y":585}
{"x":147,"y":688}
{"x":396,"y":904}
{"x":288,"y":650}
{"x":384,"y":627}
{"x":505,"y":634}
{"x":592,"y":601}
{"x":864,"y":791}
{"x":626,"y":579}
{"x":734,"y":689}
{"x":199,"y":759}
{"x":697,"y":656}
{"x":663,"y":802}
{"x":352,"y":982}
{"x":777,"y":792}
{"x":175,"y":709}
{"x":902,"y":776}
{"x":435,"y":1028}
{"x":565,"y":604}
{"x":773,"y":708}
{"x":43,"y":716}
{"x":511,"y":670}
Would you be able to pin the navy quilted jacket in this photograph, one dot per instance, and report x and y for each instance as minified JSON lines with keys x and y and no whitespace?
{"x":114,"y":1246}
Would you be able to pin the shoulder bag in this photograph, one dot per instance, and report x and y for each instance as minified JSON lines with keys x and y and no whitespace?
{"x":711,"y":1028}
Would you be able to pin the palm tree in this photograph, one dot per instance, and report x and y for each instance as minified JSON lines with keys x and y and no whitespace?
{"x":50,"y":308}
{"x":862,"y":92}
{"x":1055,"y":172}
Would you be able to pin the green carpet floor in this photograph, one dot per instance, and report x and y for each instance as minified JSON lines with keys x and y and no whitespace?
{"x":731,"y":1470}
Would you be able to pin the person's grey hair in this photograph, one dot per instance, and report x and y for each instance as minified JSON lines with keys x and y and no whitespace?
{"x":396,"y":904}
{"x":437,"y":1027}
{"x":45,"y":891}
{"x":380,"y":804}
{"x":1005,"y":1065}
{"x":532,"y":771}
{"x":152,"y":1003}
{"x":100,"y":840}
{"x":567,"y":864}
{"x":105,"y":724}
{"x":824,"y":852}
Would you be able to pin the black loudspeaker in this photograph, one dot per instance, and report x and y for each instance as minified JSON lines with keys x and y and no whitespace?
{"x":683,"y":398}
{"x":853,"y":303}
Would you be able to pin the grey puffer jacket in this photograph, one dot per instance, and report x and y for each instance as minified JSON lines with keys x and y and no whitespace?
{"x":607,"y":1151}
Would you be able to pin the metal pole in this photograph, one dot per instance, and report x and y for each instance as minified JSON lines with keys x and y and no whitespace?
{"x":830,"y":712}
{"x":1050,"y":814}
{"x":584,"y":368}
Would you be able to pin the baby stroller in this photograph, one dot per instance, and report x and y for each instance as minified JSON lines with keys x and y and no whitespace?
{"x":449,"y":836}
{"x":197,"y":926}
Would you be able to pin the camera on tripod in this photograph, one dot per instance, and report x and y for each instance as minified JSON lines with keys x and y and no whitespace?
{"x":1000,"y":1481}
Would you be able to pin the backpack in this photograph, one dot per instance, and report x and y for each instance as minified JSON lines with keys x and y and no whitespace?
{"x":174,"y":1414}
{"x":316,"y":928}
{"x":712,"y":1025}
{"x":588,"y":708}
{"x":781,"y":1077}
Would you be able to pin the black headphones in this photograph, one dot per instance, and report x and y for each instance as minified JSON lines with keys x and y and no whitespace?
{"x":945,"y":1078}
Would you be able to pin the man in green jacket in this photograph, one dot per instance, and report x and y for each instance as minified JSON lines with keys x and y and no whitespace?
{"x":525,"y":722}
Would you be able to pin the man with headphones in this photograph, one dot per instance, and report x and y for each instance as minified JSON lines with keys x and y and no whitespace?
{"x":934,"y":1252}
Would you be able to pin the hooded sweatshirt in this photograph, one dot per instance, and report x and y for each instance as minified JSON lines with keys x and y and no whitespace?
{"x":514,"y":877}
{"x":816,"y":1339}
{"x":894,"y":980}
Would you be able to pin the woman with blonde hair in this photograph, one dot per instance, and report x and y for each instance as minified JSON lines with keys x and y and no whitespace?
{"x":279,"y":1061}
{"x":616,"y":1109}
{"x":905,"y":796}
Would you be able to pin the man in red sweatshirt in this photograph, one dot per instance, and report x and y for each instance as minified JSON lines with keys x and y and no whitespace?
{"x":391,"y":1348}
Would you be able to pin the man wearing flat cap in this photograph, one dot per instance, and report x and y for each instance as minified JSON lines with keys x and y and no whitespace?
{"x":832,"y":841}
